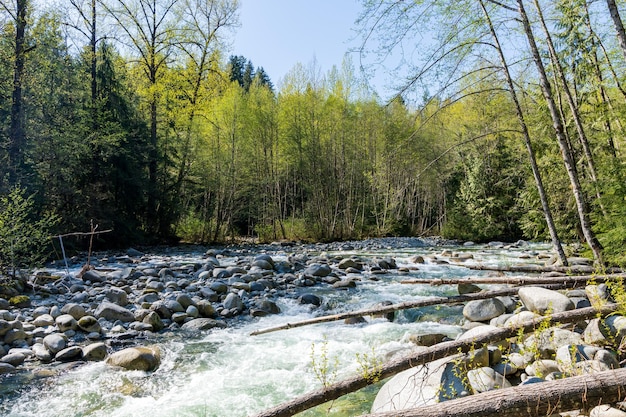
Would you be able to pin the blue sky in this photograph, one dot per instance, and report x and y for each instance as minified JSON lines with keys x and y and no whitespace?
{"x":277,"y":34}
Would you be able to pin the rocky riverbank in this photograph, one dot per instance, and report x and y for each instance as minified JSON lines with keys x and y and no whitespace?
{"x":126,"y":300}
{"x":118,"y":310}
{"x":549,"y":353}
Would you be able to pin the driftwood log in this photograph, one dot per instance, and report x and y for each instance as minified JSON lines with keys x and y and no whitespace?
{"x":572,"y":269}
{"x":533,"y":400}
{"x":516,"y":280}
{"x":430,"y":301}
{"x":425,"y":356}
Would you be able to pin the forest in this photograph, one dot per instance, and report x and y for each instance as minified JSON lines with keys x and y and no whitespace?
{"x":133,"y":115}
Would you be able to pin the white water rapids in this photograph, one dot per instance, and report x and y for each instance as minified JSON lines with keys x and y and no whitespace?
{"x":228,"y":373}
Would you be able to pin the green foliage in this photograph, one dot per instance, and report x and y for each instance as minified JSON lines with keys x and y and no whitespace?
{"x":24,"y":233}
{"x":324,"y":370}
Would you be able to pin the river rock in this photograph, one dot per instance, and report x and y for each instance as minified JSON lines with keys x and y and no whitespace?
{"x":154,"y":320}
{"x":468,"y":288}
{"x":113,"y":312}
{"x":483,"y":310}
{"x":41,"y":352}
{"x":542,"y":300}
{"x":233,"y":302}
{"x":69,"y":354}
{"x":202,"y":324}
{"x":94,"y":352}
{"x":55,"y":342}
{"x":422,"y":385}
{"x":136,"y":358}
{"x":43,"y":320}
{"x":117,"y":296}
{"x":606,"y":411}
{"x":317,"y":270}
{"x":350,"y":263}
{"x":486,"y":379}
{"x":89,"y":324}
{"x":93,"y":276}
{"x":75,"y":310}
{"x":66,"y":322}
{"x":6,"y":368}
{"x":206,"y":309}
{"x":429,"y":339}
{"x":15,"y":359}
{"x":5,"y":326}
{"x":310,"y":299}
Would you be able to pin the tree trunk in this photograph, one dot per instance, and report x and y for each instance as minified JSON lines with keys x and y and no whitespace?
{"x":517,"y":280}
{"x":422,"y":357}
{"x":566,"y":153}
{"x":619,"y":26}
{"x":582,"y":136}
{"x":533,"y":400}
{"x":17,"y":136}
{"x":556,"y":243}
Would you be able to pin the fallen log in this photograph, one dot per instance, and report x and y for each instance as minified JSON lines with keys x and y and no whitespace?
{"x":572,"y":269}
{"x":533,"y":400}
{"x":441,"y":350}
{"x":430,"y":301}
{"x":515,"y":280}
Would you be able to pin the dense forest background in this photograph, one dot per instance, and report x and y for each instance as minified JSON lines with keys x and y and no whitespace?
{"x":132,"y":114}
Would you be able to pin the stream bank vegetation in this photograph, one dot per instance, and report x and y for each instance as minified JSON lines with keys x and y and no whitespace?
{"x":131,"y":113}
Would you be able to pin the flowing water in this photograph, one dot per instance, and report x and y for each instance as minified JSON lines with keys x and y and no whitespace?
{"x":227,"y":372}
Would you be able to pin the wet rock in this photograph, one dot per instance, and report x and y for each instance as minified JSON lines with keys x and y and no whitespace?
{"x":136,"y":358}
{"x":202,"y":324}
{"x":6,"y":368}
{"x":311,"y":299}
{"x":71,"y":353}
{"x":15,"y":359}
{"x":317,"y":270}
{"x":468,"y":288}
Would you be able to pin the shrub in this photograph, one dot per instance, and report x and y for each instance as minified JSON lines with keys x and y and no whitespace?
{"x":24,"y":233}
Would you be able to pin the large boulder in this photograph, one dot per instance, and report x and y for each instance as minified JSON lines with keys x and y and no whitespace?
{"x":483,"y":310}
{"x":113,"y":312}
{"x":542,"y":300}
{"x":422,"y":385}
{"x":136,"y":358}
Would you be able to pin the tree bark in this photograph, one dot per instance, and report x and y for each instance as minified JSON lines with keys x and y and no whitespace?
{"x":582,"y":136}
{"x":619,"y":26}
{"x":566,"y":153}
{"x":433,"y":353}
{"x":516,"y":280}
{"x":534,"y":400}
{"x":17,"y":136}
{"x":545,"y":205}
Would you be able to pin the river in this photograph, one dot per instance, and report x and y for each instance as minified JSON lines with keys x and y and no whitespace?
{"x":229,"y":373}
